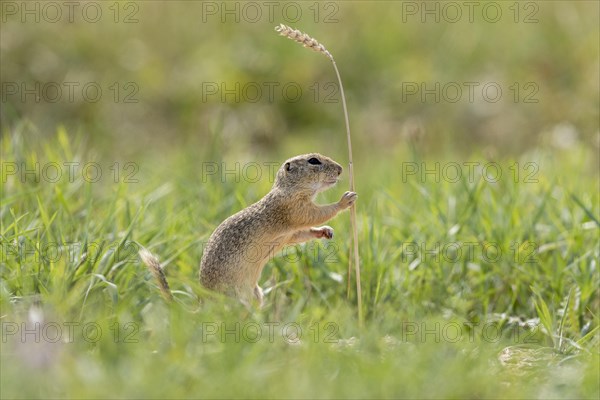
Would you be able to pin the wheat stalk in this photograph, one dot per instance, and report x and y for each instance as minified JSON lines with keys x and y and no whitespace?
{"x":311,"y":43}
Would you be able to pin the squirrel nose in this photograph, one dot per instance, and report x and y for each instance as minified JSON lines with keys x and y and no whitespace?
{"x":339,"y":170}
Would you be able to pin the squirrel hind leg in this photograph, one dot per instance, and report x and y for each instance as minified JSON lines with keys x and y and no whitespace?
{"x":250,"y":298}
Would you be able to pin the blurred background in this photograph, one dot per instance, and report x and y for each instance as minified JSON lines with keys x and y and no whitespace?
{"x":494,"y":78}
{"x":155,"y":92}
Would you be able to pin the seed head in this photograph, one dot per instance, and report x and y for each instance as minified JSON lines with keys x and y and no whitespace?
{"x":303,"y":39}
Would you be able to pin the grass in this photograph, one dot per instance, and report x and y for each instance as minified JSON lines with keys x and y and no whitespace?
{"x":471,"y":289}
{"x":514,"y":317}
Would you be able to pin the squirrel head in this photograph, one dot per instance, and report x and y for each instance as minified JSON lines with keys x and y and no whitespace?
{"x":308,"y":174}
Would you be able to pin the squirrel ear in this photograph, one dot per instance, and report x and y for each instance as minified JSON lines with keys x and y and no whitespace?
{"x":288,"y":166}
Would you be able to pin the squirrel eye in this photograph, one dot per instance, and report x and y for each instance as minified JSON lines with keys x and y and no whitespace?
{"x":314,"y":161}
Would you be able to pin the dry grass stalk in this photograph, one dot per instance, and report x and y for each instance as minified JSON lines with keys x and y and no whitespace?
{"x":311,"y":43}
{"x":303,"y":39}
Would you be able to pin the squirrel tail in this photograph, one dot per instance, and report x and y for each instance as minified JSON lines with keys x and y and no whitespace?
{"x":157,"y":270}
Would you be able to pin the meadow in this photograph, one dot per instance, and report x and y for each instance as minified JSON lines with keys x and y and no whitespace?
{"x":478,"y":221}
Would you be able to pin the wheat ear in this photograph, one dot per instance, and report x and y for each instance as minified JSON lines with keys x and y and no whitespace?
{"x":314,"y":44}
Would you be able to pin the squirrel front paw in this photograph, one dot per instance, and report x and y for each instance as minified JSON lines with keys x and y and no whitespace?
{"x":347,"y":200}
{"x":322,"y":232}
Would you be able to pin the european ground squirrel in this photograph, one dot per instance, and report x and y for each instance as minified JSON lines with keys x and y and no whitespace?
{"x":239,"y":248}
